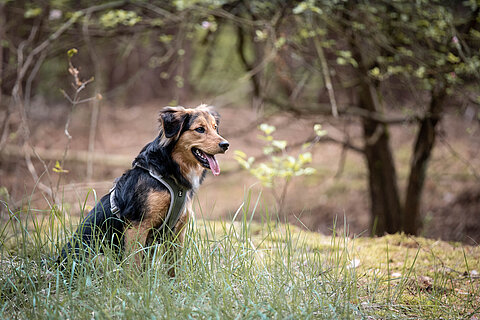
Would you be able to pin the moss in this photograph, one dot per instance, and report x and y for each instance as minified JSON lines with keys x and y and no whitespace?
{"x":423,"y":276}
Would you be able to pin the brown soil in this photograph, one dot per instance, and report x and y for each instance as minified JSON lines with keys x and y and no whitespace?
{"x":451,"y":201}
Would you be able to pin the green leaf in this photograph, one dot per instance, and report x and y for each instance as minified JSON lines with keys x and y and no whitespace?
{"x":267,"y":129}
{"x":375,"y":72}
{"x":72,"y":52}
{"x":420,"y":72}
{"x":280,"y":42}
{"x":240,"y":153}
{"x":309,"y":171}
{"x":115,"y":17}
{"x":58,"y":168}
{"x":261,"y":35}
{"x":453,"y":58}
{"x":32,"y":13}
{"x":305,"y":157}
{"x":280,"y":144}
{"x":300,"y":8}
{"x":319,"y":131}
{"x":341,"y":61}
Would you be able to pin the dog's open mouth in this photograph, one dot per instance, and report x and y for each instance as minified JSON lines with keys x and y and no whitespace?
{"x":207,"y":160}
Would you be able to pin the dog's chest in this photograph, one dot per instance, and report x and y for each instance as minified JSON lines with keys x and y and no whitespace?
{"x":158,"y":206}
{"x":195,"y":179}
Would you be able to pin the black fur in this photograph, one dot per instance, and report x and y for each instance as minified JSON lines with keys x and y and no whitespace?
{"x":131,"y":192}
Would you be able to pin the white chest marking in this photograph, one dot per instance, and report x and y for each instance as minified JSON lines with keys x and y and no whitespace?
{"x":194,"y":179}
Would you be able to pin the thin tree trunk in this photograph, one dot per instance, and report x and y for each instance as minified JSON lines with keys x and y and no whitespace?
{"x":419,"y":163}
{"x":386,"y":212}
{"x":95,"y":102}
{"x":385,"y":206}
{"x":4,"y":127}
{"x":249,"y":67}
{"x":2,"y":37}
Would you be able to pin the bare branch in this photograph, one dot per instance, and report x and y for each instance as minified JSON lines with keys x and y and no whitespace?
{"x":326,"y":76}
{"x":159,"y":11}
{"x":31,"y":77}
{"x":325,"y":109}
{"x":96,"y":103}
{"x":36,"y":177}
{"x":346,"y":143}
{"x":457,"y":155}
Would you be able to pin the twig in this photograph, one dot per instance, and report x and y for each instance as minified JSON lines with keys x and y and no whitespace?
{"x":341,"y":163}
{"x":283,"y":197}
{"x":343,"y":155}
{"x":373,"y":139}
{"x":345,"y":143}
{"x":31,"y":77}
{"x":95,"y":105}
{"x":300,"y":86}
{"x":4,"y":128}
{"x":79,"y":86}
{"x":326,"y":76}
{"x":159,"y":11}
{"x":324,"y":109}
{"x":36,"y":178}
{"x":459,"y":156}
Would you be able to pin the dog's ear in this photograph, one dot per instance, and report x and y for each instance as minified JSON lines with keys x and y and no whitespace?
{"x":213,"y":112}
{"x":173,"y":119}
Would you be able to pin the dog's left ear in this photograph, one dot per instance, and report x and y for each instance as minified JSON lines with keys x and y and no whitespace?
{"x":214,"y":113}
{"x":173,"y":119}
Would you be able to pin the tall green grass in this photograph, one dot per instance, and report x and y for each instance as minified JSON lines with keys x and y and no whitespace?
{"x":244,"y":268}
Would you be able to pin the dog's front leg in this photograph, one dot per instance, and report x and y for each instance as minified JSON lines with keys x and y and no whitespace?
{"x":173,"y":255}
{"x":135,"y":238}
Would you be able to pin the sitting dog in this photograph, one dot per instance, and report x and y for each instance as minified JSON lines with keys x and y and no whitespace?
{"x":154,"y":198}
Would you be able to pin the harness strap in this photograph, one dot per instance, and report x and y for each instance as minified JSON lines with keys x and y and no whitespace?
{"x":113,"y":204}
{"x":178,"y":198}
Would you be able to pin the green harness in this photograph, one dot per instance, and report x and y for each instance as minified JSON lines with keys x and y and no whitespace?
{"x":178,"y":198}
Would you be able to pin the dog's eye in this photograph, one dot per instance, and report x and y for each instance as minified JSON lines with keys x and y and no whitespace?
{"x":200,"y":130}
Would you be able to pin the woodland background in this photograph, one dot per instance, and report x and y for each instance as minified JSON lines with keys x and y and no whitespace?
{"x":395,"y":84}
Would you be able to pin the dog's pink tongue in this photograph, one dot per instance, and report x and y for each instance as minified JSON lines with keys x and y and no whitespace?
{"x":213,"y":164}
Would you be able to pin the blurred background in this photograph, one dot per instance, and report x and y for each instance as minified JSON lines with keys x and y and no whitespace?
{"x":373,"y":107}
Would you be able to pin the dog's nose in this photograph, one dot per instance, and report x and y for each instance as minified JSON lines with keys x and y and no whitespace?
{"x":224,"y":145}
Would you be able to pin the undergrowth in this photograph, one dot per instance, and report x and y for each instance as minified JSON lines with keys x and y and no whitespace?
{"x":251,"y":266}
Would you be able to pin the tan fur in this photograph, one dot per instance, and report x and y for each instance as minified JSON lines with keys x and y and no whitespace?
{"x":136,"y":234}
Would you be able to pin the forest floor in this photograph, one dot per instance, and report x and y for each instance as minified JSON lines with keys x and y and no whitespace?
{"x":335,"y":195}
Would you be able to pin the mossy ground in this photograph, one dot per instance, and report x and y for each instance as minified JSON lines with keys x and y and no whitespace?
{"x":416,"y":276}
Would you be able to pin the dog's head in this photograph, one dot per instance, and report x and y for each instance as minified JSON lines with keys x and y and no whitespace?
{"x":195,"y":136}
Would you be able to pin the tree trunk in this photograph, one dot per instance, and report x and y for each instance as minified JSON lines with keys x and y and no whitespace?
{"x":419,"y":162}
{"x":385,"y":208}
{"x":386,"y":212}
{"x":4,"y":124}
{"x":250,"y":66}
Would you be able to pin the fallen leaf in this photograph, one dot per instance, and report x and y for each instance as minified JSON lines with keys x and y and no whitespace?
{"x":354,"y":264}
{"x":425,"y":283}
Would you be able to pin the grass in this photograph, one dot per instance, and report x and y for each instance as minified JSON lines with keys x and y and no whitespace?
{"x":239,"y":269}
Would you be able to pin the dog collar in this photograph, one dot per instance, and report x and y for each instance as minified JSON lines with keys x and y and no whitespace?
{"x":178,"y":198}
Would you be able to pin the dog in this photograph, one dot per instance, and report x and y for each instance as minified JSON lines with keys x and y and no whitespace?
{"x":142,"y":208}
